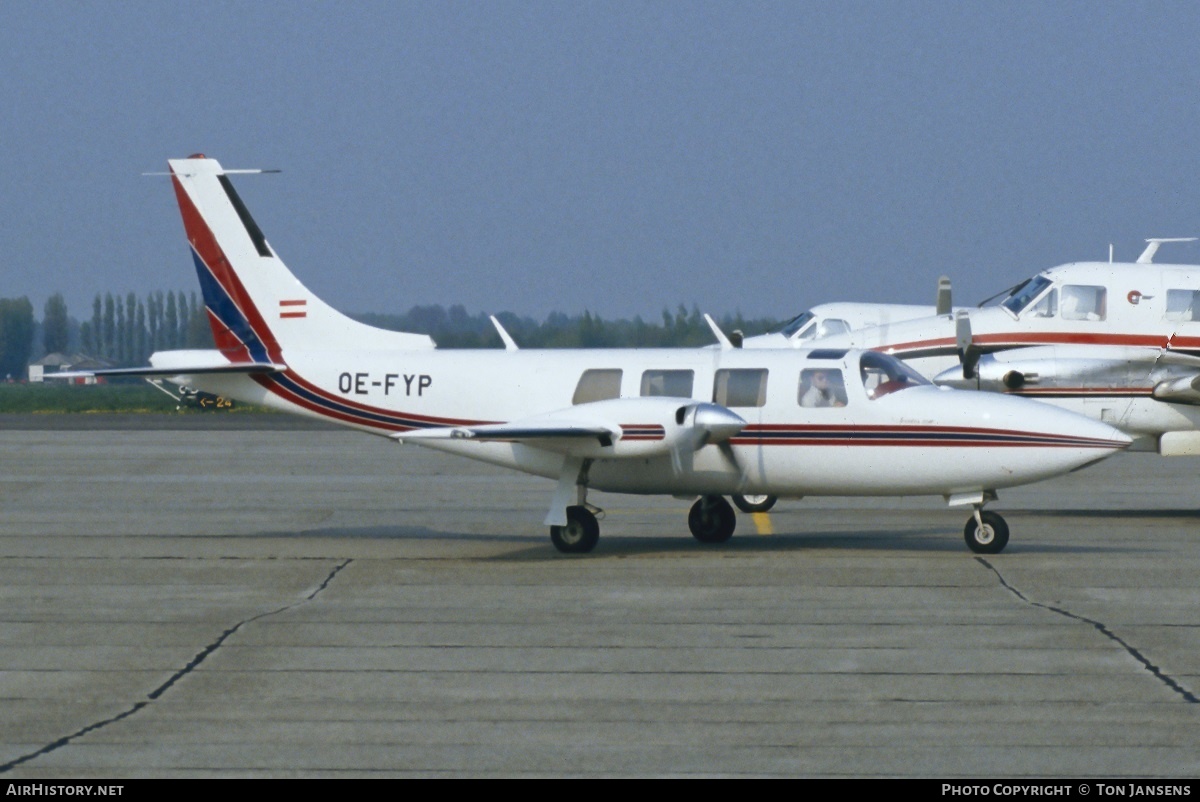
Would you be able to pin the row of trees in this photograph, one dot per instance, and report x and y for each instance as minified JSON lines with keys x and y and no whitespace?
{"x":455,"y":328}
{"x":125,"y":330}
{"x":122,"y":330}
{"x":16,"y":336}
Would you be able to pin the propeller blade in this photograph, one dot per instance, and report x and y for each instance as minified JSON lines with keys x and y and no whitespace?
{"x":968,"y":352}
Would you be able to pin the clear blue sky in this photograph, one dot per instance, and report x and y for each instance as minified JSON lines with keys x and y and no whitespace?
{"x":618,"y":156}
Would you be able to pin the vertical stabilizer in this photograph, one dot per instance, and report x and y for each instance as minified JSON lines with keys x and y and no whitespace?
{"x":257,"y":309}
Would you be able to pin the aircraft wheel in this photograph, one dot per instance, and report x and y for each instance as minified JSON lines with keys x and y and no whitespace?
{"x":580,"y":534}
{"x":991,"y":538}
{"x":754,"y":503}
{"x":712,"y":520}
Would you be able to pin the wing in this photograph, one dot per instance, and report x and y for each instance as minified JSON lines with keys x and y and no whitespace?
{"x":527,"y":430}
{"x":613,"y":429}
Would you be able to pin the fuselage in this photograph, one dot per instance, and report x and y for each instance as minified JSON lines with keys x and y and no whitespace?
{"x":828,"y":422}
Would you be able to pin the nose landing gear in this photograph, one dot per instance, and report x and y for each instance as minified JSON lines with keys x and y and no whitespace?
{"x":986,"y":532}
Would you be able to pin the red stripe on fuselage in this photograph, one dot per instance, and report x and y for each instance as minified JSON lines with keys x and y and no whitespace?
{"x":272,"y":385}
{"x":916,"y":442}
{"x":1048,"y":338}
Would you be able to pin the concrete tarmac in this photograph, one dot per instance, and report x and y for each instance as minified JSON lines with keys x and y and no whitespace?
{"x":249,"y":603}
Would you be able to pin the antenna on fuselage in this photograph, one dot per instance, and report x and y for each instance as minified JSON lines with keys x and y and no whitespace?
{"x":1147,"y":256}
{"x":509,"y":343}
{"x":725,"y":342}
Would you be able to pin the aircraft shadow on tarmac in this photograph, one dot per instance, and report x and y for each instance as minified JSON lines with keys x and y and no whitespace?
{"x":1102,"y":513}
{"x":934,"y":539}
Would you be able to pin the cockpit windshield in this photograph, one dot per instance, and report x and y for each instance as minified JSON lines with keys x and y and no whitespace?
{"x":808,"y":326}
{"x":1026,"y":294}
{"x":796,"y":324}
{"x":883,"y":374}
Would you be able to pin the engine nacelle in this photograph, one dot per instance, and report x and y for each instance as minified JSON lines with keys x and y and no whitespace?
{"x":649,"y":427}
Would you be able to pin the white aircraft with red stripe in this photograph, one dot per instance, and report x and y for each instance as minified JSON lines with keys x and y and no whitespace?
{"x":706,"y":422}
{"x":1117,"y":341}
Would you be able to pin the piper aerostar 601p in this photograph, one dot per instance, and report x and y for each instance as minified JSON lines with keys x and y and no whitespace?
{"x":1116,"y":341}
{"x":703,"y":422}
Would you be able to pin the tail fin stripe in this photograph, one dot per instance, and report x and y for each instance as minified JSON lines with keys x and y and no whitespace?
{"x":209,"y":251}
{"x":231,"y":320}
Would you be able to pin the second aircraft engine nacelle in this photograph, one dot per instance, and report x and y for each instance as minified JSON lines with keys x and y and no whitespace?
{"x":1052,"y":366}
{"x":993,"y":375}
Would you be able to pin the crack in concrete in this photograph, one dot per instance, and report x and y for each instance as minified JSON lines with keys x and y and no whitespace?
{"x":192,"y":665}
{"x":1132,"y":651}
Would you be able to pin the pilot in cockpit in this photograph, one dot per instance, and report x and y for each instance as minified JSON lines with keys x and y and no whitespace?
{"x":824,"y":389}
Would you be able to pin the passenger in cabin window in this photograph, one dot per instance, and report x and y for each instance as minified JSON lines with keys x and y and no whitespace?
{"x":822,"y":388}
{"x":1082,"y":302}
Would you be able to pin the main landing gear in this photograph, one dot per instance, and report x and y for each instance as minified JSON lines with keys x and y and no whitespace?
{"x":986,"y":532}
{"x":754,"y":503}
{"x":712,"y":520}
{"x":581,"y":533}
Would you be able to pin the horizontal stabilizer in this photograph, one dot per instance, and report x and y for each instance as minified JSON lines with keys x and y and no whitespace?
{"x":193,"y":370}
{"x":180,"y":363}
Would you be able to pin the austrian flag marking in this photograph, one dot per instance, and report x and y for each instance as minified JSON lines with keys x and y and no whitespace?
{"x":293,"y":309}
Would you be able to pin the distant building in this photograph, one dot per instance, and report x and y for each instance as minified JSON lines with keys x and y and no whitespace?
{"x":57,"y":362}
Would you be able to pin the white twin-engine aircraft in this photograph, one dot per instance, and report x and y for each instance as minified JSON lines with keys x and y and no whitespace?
{"x":687,"y":422}
{"x":1116,"y":341}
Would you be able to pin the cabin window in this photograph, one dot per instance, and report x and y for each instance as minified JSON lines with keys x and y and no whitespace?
{"x":597,"y":385}
{"x":673,"y":383}
{"x":1183,"y":306}
{"x":1083,"y":302}
{"x":740,"y":388}
{"x":832,"y":327}
{"x":883,"y":375}
{"x":822,"y":387}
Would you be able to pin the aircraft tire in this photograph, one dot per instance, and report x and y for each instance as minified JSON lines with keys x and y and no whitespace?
{"x":754,"y":503}
{"x":712,"y":520}
{"x":581,"y":533}
{"x":991,"y":538}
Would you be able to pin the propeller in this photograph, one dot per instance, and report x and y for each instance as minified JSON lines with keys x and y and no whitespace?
{"x":968,"y":352}
{"x":710,"y":424}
